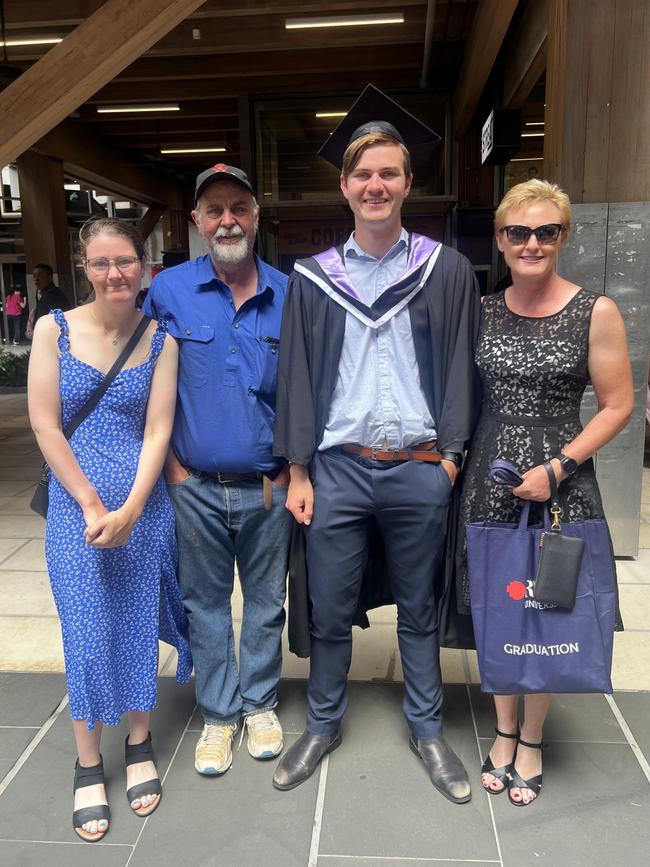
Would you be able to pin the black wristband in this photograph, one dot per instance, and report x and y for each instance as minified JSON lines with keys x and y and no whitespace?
{"x":568,"y":464}
{"x":455,"y":457}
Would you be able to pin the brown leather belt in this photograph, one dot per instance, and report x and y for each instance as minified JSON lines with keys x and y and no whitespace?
{"x":421,"y":452}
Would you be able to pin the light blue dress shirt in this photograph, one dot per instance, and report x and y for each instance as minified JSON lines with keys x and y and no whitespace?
{"x":378,"y":400}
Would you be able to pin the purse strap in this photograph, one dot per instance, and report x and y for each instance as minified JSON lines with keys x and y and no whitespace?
{"x":101,"y":389}
{"x":554,"y":508}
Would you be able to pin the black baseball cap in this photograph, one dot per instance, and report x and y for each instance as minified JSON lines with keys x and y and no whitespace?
{"x":375,"y":112}
{"x":221,"y":172}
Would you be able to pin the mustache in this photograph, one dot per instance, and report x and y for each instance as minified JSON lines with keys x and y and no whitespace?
{"x":234,"y":232}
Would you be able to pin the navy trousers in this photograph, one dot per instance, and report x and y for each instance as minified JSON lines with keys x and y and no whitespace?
{"x":409,"y":502}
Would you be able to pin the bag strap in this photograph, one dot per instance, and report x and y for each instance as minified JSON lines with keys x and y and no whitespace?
{"x":555,"y":508}
{"x":101,"y":389}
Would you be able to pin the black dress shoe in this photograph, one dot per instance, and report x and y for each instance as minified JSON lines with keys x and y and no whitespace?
{"x":446,"y":771}
{"x":300,"y":762}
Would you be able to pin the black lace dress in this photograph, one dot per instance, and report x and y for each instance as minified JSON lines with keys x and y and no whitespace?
{"x":534,"y":373}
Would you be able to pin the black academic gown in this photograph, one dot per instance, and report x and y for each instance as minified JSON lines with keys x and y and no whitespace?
{"x":444,"y":321}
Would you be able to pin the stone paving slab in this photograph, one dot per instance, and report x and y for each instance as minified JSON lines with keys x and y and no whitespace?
{"x":29,"y":699}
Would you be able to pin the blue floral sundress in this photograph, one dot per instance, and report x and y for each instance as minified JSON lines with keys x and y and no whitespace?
{"x":114,"y":604}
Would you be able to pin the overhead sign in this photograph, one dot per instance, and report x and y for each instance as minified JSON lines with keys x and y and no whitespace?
{"x":500,"y":137}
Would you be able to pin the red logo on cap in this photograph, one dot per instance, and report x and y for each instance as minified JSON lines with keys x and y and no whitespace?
{"x":220,"y":167}
{"x":516,"y":590}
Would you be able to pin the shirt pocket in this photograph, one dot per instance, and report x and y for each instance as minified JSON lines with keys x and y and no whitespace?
{"x":268,"y":354}
{"x":196,"y":345}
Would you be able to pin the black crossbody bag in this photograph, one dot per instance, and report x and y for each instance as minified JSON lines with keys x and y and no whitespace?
{"x":40,"y":500}
{"x":558,"y":569}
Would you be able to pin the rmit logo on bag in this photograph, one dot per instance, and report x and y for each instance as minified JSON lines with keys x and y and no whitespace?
{"x":525,"y":590}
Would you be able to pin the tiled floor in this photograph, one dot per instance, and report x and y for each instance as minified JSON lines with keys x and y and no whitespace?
{"x":371,"y":804}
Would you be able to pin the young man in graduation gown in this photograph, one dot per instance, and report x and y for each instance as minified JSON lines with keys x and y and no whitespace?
{"x":375,"y":406}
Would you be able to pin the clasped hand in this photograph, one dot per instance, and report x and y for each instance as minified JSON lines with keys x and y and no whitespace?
{"x":535,"y":485}
{"x":108,"y":529}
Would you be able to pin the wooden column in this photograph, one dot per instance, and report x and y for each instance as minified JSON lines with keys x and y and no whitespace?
{"x":176,"y":235}
{"x":44,"y":218}
{"x":597,"y":130}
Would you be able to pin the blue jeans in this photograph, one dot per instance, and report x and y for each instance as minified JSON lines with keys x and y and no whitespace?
{"x":216,"y":524}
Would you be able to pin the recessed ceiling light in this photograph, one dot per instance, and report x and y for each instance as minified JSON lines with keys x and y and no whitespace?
{"x":212,"y":150}
{"x":331,"y":113}
{"x":344,"y":21}
{"x":45,"y":40}
{"x":119,"y":109}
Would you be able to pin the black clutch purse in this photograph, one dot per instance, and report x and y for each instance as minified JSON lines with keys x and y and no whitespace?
{"x":556,"y":579}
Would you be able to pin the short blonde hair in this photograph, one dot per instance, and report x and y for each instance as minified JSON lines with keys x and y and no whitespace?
{"x":529,"y":192}
{"x":354,"y":151}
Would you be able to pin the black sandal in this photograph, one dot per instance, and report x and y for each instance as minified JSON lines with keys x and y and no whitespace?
{"x":92,"y":776}
{"x":518,"y":782}
{"x":134,"y":754}
{"x":502,"y":774}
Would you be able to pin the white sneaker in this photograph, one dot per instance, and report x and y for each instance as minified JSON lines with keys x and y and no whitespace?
{"x":213,"y":754}
{"x":265,"y":739}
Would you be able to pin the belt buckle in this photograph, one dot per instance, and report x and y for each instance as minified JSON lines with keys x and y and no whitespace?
{"x":222,"y":481}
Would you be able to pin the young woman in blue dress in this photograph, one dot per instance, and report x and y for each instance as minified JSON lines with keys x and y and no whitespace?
{"x":110,"y":543}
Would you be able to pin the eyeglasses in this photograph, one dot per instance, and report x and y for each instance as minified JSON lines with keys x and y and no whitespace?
{"x":546,"y":234}
{"x":100,"y":265}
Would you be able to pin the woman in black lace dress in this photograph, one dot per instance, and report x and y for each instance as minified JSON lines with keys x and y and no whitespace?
{"x":541,"y":341}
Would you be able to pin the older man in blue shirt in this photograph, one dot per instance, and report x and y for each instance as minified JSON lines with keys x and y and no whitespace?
{"x":227,"y":488}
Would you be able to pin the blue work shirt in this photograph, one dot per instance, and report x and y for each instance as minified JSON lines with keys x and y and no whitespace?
{"x":377,"y":400}
{"x":228,"y":361}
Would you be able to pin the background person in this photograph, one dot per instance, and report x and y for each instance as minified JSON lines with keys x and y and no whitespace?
{"x":109,"y":539}
{"x":15,"y":304}
{"x":541,"y":341}
{"x":225,"y":309}
{"x":48,"y":296}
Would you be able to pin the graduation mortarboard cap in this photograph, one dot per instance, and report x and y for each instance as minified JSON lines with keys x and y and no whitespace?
{"x":221,"y":172}
{"x":375,"y":112}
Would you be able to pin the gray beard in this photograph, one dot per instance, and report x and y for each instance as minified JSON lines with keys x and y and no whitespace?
{"x":229,"y":254}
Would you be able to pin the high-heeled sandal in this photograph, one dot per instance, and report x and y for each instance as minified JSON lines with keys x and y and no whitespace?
{"x":518,"y":782}
{"x":502,"y":774}
{"x":90,"y":776}
{"x":133,"y":755}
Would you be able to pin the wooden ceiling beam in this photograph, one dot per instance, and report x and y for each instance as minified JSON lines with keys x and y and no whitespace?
{"x":123,"y":93}
{"x":526,"y":55}
{"x":77,"y":67}
{"x":149,"y":220}
{"x":93,"y":160}
{"x":489,"y":27}
{"x":217,"y":9}
{"x":268,"y":33}
{"x":70,"y":13}
{"x":285,"y":62}
{"x":144,"y":129}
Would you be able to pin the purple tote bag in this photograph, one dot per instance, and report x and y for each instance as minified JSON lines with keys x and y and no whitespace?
{"x":525,"y":646}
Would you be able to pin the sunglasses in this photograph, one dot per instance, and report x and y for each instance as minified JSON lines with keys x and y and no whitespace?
{"x":546,"y":234}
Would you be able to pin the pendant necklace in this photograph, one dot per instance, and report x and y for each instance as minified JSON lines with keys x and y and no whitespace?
{"x":115,"y":339}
